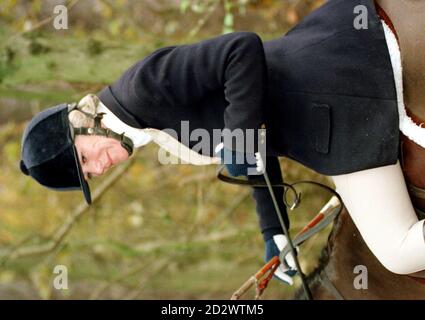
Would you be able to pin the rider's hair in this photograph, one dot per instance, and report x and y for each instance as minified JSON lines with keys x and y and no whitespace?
{"x":87,"y":104}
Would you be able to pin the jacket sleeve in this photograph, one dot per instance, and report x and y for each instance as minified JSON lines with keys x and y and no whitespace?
{"x":233,"y":62}
{"x":179,"y":77}
{"x":268,"y":219}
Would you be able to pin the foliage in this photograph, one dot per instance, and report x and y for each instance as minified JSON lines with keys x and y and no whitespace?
{"x":7,"y":56}
{"x":197,"y":235}
{"x":207,"y":7}
{"x":160,"y":232}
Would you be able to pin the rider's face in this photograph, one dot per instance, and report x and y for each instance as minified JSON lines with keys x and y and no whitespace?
{"x":97,"y":154}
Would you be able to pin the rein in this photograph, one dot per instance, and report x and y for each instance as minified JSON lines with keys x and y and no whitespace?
{"x":321,"y":220}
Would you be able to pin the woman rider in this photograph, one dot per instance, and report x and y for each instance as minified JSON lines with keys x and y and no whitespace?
{"x":328,"y":93}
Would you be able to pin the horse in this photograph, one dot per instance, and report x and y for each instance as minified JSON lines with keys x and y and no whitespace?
{"x":335,"y":276}
{"x":345,"y":250}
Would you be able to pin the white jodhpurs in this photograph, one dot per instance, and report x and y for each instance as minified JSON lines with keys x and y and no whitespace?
{"x":378,"y":202}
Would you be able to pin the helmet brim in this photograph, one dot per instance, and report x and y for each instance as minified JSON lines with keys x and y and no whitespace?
{"x":83,"y":183}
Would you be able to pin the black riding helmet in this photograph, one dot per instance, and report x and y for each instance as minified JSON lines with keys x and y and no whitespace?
{"x":48,"y":153}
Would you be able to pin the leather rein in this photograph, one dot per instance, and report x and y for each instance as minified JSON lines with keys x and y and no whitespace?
{"x":326,"y":216}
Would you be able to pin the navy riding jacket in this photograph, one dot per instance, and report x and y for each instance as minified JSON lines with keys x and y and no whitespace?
{"x":325,"y":91}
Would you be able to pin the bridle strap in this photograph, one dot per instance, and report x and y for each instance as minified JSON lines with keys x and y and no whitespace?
{"x":288,"y":186}
{"x":262,"y":184}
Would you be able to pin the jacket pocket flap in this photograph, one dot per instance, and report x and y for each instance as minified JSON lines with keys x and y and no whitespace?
{"x":321,"y":127}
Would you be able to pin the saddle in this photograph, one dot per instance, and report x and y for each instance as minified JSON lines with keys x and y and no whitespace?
{"x":412,"y":155}
{"x":412,"y":160}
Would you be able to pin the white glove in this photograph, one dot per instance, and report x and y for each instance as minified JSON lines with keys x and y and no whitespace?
{"x":287,"y":268}
{"x":259,"y":162}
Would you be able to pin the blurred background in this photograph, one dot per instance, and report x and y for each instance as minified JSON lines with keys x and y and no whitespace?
{"x":154,"y":232}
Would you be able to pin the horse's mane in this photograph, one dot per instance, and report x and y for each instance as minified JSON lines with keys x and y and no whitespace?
{"x":314,"y":278}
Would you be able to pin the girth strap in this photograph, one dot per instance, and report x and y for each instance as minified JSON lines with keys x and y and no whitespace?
{"x":416,"y":191}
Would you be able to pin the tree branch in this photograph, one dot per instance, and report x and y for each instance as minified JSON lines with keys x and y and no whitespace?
{"x":63,"y":230}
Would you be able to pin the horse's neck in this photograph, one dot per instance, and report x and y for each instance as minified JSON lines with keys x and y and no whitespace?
{"x":346,"y":250}
{"x":408,"y":18}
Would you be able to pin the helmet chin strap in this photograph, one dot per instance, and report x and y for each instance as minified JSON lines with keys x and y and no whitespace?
{"x":97,"y":130}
